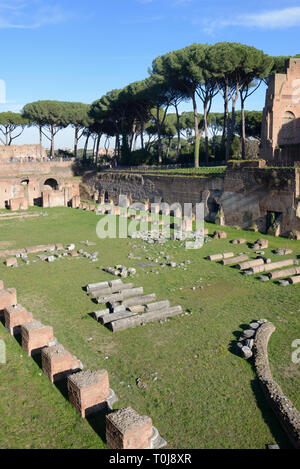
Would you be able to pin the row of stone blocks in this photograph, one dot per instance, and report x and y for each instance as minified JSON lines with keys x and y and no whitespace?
{"x":145,"y":216}
{"x":88,"y":391}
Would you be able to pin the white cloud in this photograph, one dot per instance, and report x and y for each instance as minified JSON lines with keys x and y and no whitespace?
{"x":18,"y":14}
{"x":272,"y":19}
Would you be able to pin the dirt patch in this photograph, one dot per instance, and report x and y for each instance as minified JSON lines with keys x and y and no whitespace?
{"x":6,"y":244}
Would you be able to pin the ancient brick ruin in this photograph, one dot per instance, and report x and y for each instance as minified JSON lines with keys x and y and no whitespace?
{"x":281,"y":116}
{"x":32,"y":182}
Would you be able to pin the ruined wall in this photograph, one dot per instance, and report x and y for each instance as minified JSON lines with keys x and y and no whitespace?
{"x":280,"y":138}
{"x":143,"y":187}
{"x":22,"y":151}
{"x":246,"y":195}
{"x":58,"y":168}
{"x":250,"y":193}
{"x":27,"y":179}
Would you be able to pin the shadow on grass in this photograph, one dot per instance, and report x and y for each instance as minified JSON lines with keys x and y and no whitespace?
{"x":97,"y":421}
{"x":267,"y":413}
{"x":269,"y":417}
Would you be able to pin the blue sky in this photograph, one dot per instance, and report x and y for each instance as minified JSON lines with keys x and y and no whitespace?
{"x":79,"y":50}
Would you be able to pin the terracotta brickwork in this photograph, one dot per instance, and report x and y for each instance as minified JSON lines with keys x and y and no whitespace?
{"x":35,"y":336}
{"x":20,"y":203}
{"x":57,"y":363}
{"x":126,"y":429}
{"x":15,"y":316}
{"x":8,"y":297}
{"x":88,"y":390}
{"x":280,"y":137}
{"x":26,"y":151}
{"x":47,"y":183}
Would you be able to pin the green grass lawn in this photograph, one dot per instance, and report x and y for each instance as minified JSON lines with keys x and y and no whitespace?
{"x":203,"y":171}
{"x":204,"y":396}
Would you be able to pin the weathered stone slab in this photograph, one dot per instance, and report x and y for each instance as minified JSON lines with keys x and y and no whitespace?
{"x":158,"y":305}
{"x":261,"y":243}
{"x":115,"y":316}
{"x":284,"y":273}
{"x":238,"y":241}
{"x":273,"y":266}
{"x":218,"y":257}
{"x":249,"y":264}
{"x":11,"y":261}
{"x":218,"y":234}
{"x":235,"y":260}
{"x":139,"y":300}
{"x":295,"y":279}
{"x":150,"y":316}
{"x":98,"y":314}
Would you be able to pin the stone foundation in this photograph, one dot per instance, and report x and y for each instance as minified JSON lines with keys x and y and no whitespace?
{"x":15,"y":316}
{"x":88,"y":391}
{"x":126,"y":429}
{"x":58,"y":363}
{"x":8,"y":297}
{"x":35,"y":336}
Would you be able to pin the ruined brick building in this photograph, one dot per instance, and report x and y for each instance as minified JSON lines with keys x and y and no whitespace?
{"x":281,"y":116}
{"x":30,"y":180}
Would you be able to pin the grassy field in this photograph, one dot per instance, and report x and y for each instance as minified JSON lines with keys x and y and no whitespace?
{"x":204,"y":396}
{"x":203,"y":171}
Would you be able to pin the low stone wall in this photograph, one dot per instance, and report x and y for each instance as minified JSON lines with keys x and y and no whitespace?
{"x":245,"y":196}
{"x":287,"y":414}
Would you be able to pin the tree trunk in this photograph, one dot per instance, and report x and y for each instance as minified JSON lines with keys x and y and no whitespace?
{"x":76,"y":141}
{"x":158,"y":135}
{"x":94,"y":147}
{"x":243,"y":129}
{"x":135,"y":141}
{"x":205,"y":131}
{"x":52,"y":142}
{"x":86,"y":146}
{"x":178,"y":153}
{"x":197,"y":135}
{"x":231,"y":124}
{"x":41,"y":141}
{"x":97,"y":147}
{"x":142,"y":134}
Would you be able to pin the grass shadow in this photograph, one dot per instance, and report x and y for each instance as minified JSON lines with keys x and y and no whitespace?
{"x":269,"y":417}
{"x":97,"y":421}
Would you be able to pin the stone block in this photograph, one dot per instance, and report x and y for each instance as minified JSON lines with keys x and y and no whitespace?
{"x":11,"y":261}
{"x":88,"y":391}
{"x":8,"y":297}
{"x":15,"y":316}
{"x":126,"y":429}
{"x":218,"y":234}
{"x":19,"y":203}
{"x":73,"y":253}
{"x":57,"y":363}
{"x":35,"y":336}
{"x":238,"y":241}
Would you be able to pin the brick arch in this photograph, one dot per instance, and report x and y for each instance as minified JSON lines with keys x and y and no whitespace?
{"x":51,"y":182}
